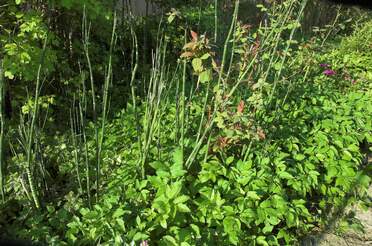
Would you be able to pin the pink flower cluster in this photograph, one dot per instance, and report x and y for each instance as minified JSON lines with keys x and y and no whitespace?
{"x":328,"y":71}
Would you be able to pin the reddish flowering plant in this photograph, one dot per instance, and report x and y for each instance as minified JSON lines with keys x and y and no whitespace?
{"x":329,"y":72}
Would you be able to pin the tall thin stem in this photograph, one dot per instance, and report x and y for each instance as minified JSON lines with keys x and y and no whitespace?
{"x":74,"y":126}
{"x":215,"y":20}
{"x":2,"y":132}
{"x":86,"y":31}
{"x":133,"y":90}
{"x":82,"y":108}
{"x":183,"y":110}
{"x":105,"y":104}
{"x":32,"y":128}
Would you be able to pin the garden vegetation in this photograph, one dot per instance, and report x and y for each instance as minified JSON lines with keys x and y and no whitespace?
{"x":188,"y":127}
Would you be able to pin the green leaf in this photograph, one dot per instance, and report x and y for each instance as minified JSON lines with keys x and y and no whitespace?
{"x":174,"y":189}
{"x":181,"y":199}
{"x":197,"y":64}
{"x":229,"y":160}
{"x":178,"y":157}
{"x":253,"y":195}
{"x":118,"y":213}
{"x":299,"y":157}
{"x":140,"y":236}
{"x":261,"y":240}
{"x":196,"y":229}
{"x":285,"y":175}
{"x":268,"y":228}
{"x":177,"y":169}
{"x":244,"y":166}
{"x":205,"y":56}
{"x":232,"y":227}
{"x":163,"y":223}
{"x":205,"y":76}
{"x":157,"y":165}
{"x":171,"y":18}
{"x":332,"y":171}
{"x":347,"y":155}
{"x":171,"y":240}
{"x":9,"y":74}
{"x":183,"y":208}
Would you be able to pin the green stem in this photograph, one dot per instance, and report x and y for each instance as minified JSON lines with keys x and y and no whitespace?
{"x":133,"y":92}
{"x":2,"y":133}
{"x":182,"y":143}
{"x":86,"y":51}
{"x":105,"y":103}
{"x":32,"y":128}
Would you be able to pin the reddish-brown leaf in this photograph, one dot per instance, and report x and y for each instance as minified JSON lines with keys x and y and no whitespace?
{"x":223,"y":142}
{"x":261,"y":134}
{"x":187,"y":54}
{"x":240,"y":107}
{"x":194,"y":35}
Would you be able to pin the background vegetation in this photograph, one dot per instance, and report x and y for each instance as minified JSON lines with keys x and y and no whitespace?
{"x":195,"y":126}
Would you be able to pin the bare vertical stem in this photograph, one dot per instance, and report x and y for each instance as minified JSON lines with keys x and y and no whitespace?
{"x":86,"y":30}
{"x":105,"y":104}
{"x":32,"y":128}
{"x":82,"y":108}
{"x":133,"y":91}
{"x":74,"y":125}
{"x":2,"y":132}
{"x":215,"y":20}
{"x":183,"y":110}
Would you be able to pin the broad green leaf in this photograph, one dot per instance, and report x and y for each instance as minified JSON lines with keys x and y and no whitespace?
{"x":205,"y":56}
{"x":232,"y":228}
{"x":163,"y":223}
{"x":181,"y":199}
{"x":205,"y":76}
{"x":196,"y":229}
{"x":174,"y":189}
{"x":285,"y":175}
{"x":299,"y":157}
{"x":253,"y":195}
{"x":267,"y":229}
{"x":118,"y":213}
{"x":197,"y":64}
{"x":183,"y":208}
{"x":170,"y":240}
{"x":229,"y":160}
{"x":261,"y":240}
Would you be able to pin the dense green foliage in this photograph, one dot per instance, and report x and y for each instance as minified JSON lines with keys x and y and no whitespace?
{"x":126,"y":129}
